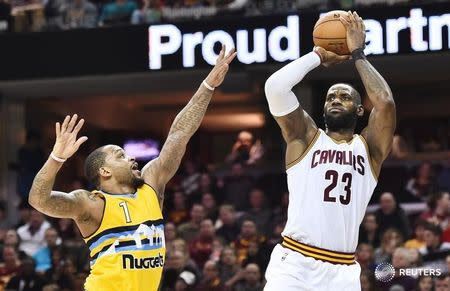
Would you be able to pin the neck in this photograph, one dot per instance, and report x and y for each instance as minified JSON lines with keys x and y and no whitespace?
{"x":117,"y":188}
{"x":342,"y":134}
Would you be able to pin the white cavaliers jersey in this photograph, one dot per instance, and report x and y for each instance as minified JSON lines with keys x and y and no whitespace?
{"x":329,"y":186}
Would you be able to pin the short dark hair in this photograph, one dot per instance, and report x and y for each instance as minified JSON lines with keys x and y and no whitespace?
{"x":92,"y":164}
{"x":355,"y":88}
{"x":436,"y":230}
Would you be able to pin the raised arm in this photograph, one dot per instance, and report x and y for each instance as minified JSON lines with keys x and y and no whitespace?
{"x":379,"y":132}
{"x":297,"y":127}
{"x":160,"y":170}
{"x":54,"y":203}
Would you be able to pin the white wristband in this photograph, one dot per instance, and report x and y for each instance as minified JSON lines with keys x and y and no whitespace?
{"x":207,"y":85}
{"x":56,"y":158}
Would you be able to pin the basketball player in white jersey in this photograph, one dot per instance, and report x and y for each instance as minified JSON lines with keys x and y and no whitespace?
{"x":331,"y":173}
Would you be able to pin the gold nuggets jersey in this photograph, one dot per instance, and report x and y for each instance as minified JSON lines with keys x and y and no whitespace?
{"x":329,"y":189}
{"x":127,"y":251}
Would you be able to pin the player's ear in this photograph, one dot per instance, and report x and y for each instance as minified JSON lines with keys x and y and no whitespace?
{"x":104,"y":172}
{"x":360,"y":110}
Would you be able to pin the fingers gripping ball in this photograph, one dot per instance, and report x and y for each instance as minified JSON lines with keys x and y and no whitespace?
{"x":330,"y":33}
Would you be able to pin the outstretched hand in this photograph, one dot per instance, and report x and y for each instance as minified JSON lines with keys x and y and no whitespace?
{"x":217,"y":74}
{"x":329,"y":58}
{"x":356,"y":30}
{"x":66,"y":137}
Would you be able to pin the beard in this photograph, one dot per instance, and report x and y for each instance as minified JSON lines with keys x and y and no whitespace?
{"x":344,"y":121}
{"x":137,"y":182}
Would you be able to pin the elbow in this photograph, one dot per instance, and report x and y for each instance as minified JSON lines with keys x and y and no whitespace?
{"x":272,"y":87}
{"x":386,"y":101}
{"x":31,"y":200}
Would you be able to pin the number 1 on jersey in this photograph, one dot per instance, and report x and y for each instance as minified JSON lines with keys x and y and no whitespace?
{"x":126,"y":211}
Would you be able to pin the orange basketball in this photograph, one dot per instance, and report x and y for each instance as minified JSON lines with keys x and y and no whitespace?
{"x":330,"y":33}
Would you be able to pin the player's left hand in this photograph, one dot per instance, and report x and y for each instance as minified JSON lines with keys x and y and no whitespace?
{"x":356,"y":30}
{"x":217,"y":74}
{"x":329,"y":58}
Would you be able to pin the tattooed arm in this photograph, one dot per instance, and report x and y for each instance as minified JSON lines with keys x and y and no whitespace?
{"x":160,"y":170}
{"x":379,"y":132}
{"x":54,"y":203}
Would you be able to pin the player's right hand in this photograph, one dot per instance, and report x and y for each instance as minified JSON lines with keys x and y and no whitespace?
{"x":66,"y":137}
{"x":217,"y":74}
{"x":329,"y":58}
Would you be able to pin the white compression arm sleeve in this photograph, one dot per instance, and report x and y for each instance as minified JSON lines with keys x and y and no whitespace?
{"x":278,"y":87}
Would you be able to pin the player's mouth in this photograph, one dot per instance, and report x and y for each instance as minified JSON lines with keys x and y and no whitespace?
{"x":336,"y":109}
{"x":135,"y":169}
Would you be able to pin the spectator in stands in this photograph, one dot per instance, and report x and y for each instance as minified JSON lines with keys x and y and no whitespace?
{"x":65,"y":275}
{"x":170,"y":232}
{"x":11,"y":239}
{"x":211,"y":280}
{"x":10,"y":266}
{"x":190,"y":182}
{"x":364,"y":256}
{"x":230,"y":228}
{"x":438,"y":210}
{"x":30,"y":159}
{"x":32,"y":234}
{"x":248,"y":233}
{"x":442,"y":283}
{"x":237,"y":186}
{"x":252,"y":279}
{"x":447,"y":261}
{"x":435,"y":251}
{"x":246,"y":150}
{"x":367,"y":279}
{"x":279,"y":213}
{"x":210,"y":205}
{"x":218,"y":245}
{"x":421,"y":185}
{"x":148,"y":12}
{"x":425,"y":283}
{"x":186,"y":281}
{"x":390,"y":215}
{"x":27,"y":278}
{"x":258,"y":211}
{"x":176,"y":263}
{"x":24,"y":213}
{"x":80,"y":14}
{"x":200,"y":249}
{"x":400,"y":260}
{"x":390,"y":240}
{"x":207,"y":184}
{"x":67,"y":230}
{"x":181,"y":245}
{"x":418,"y":240}
{"x":118,"y":12}
{"x":43,"y":257}
{"x":189,"y":230}
{"x":257,"y":253}
{"x":369,"y":232}
{"x":230,"y":271}
{"x":178,"y":213}
{"x":275,"y":237}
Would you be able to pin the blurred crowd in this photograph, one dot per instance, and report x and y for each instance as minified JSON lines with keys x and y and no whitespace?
{"x":221,"y":228}
{"x":45,"y":15}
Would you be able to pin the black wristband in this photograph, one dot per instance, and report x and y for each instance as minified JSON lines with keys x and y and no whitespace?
{"x":358,"y":54}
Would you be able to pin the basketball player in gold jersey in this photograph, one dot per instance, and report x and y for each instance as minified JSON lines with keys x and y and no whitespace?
{"x":121,"y":222}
